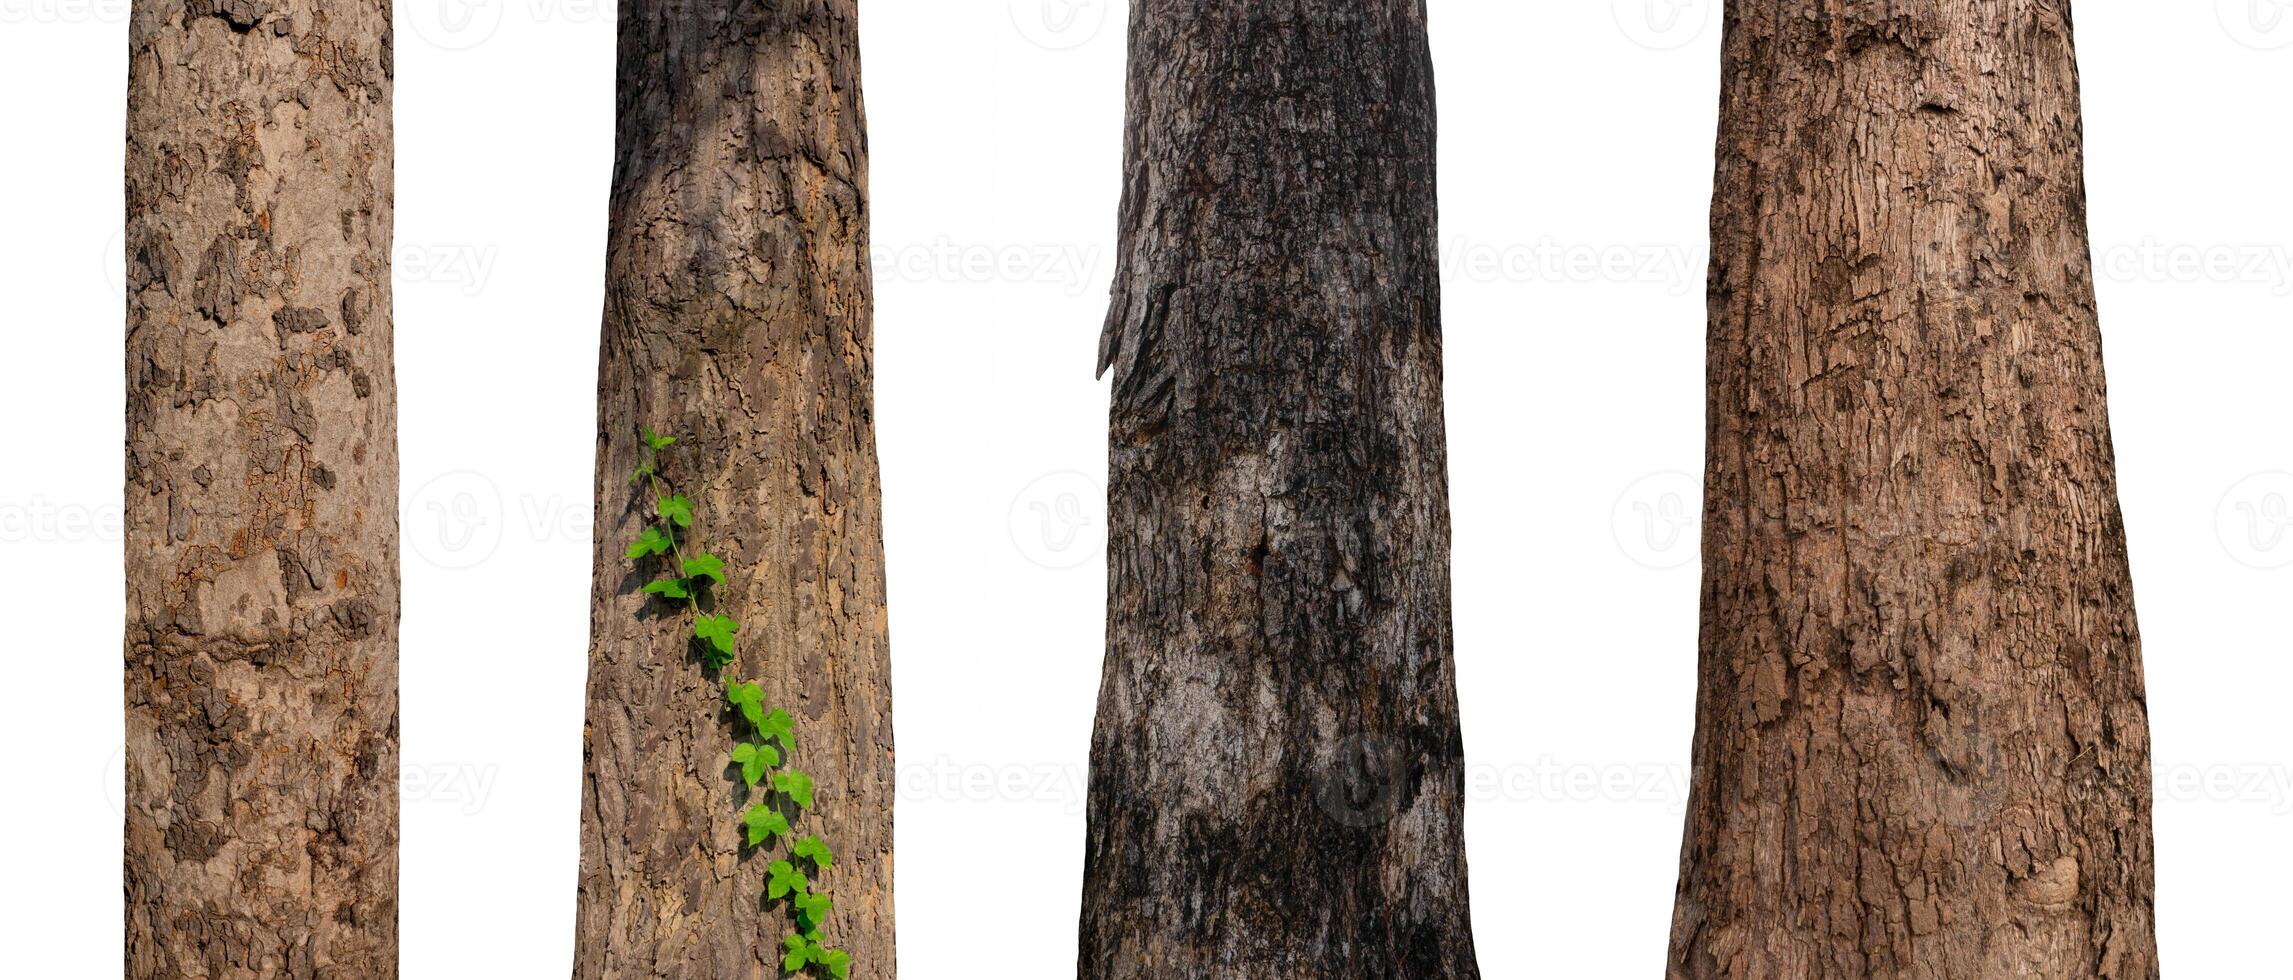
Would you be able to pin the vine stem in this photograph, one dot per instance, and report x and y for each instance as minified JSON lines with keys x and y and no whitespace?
{"x":772,"y":798}
{"x":676,"y":547}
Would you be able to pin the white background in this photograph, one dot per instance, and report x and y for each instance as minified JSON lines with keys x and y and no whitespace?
{"x":1575,"y":173}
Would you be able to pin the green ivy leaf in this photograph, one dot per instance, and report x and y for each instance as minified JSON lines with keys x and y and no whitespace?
{"x":718,"y":630}
{"x":778,"y":725}
{"x":705,"y":564}
{"x":753,"y":759}
{"x":741,"y":754}
{"x":811,"y":909}
{"x":748,"y":699}
{"x":799,"y":953}
{"x":814,"y":849}
{"x":671,"y":588}
{"x":784,"y":879}
{"x":652,"y":542}
{"x":796,"y":784}
{"x":676,"y":508}
{"x":764,"y":823}
{"x":838,"y":962}
{"x":644,"y":470}
{"x":658,"y":442}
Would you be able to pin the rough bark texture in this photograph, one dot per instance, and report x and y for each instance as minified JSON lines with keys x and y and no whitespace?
{"x":1277,"y":772}
{"x":1921,"y":742}
{"x":737,"y":317}
{"x":262,"y":488}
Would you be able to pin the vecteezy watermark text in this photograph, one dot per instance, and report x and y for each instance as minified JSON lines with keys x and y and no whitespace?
{"x":2150,"y":260}
{"x":1673,"y":267}
{"x":1071,"y":267}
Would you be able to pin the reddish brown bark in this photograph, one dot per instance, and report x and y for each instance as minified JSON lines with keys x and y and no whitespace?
{"x":1921,"y":743}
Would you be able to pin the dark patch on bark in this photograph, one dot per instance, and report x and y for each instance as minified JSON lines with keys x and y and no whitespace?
{"x":242,"y":15}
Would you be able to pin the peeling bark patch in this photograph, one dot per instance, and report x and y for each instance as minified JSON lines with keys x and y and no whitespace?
{"x":299,"y":319}
{"x":217,"y":287}
{"x":242,"y":15}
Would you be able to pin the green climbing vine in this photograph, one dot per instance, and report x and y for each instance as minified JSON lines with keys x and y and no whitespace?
{"x":767,"y":736}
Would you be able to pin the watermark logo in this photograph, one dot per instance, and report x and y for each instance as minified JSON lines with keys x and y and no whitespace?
{"x":1674,"y":268}
{"x":1072,"y":268}
{"x":467,"y":267}
{"x":64,"y":11}
{"x":2261,"y":24}
{"x":455,"y":520}
{"x":1656,"y":520}
{"x":455,"y":25}
{"x":39,"y":519}
{"x":1058,"y":25}
{"x":946,"y":780}
{"x":2255,"y":520}
{"x":2151,"y":260}
{"x":1059,"y":520}
{"x":465,"y":787}
{"x":1662,"y":25}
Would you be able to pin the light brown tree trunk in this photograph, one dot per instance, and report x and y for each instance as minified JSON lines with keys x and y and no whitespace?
{"x":262,"y":488}
{"x":737,"y":318}
{"x":1921,"y":744}
{"x":1277,"y":776}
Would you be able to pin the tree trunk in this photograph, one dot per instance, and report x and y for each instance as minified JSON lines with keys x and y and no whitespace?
{"x":737,"y":318}
{"x":261,"y":640}
{"x":1921,"y":743}
{"x":1277,"y":782}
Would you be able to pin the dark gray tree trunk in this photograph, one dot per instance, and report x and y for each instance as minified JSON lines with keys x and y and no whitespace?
{"x":737,"y":317}
{"x":1277,"y":776}
{"x":1921,"y":742}
{"x":262,"y":493}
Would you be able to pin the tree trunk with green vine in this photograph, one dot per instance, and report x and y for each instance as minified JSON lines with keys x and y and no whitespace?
{"x":261,"y":549}
{"x":1277,"y":774}
{"x":1921,"y":747}
{"x":737,"y":318}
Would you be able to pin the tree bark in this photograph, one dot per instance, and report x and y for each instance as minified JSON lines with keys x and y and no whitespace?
{"x":1921,"y":742}
{"x":1277,"y":783}
{"x":261,"y":493}
{"x":737,"y":318}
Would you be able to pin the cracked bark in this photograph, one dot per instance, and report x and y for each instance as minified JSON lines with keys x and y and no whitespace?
{"x":261,"y":550}
{"x":1277,"y":772}
{"x":1921,"y":741}
{"x":737,"y":317}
